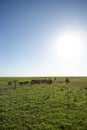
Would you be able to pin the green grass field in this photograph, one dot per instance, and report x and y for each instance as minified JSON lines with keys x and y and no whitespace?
{"x":58,"y":106}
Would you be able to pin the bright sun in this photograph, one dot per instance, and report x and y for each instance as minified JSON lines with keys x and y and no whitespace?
{"x":69,"y":45}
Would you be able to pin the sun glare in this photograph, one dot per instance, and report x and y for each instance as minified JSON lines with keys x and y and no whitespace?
{"x":68,"y":50}
{"x":69,"y":45}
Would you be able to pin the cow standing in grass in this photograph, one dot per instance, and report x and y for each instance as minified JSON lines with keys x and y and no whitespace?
{"x":9,"y":83}
{"x":24,"y":83}
{"x":67,"y":80}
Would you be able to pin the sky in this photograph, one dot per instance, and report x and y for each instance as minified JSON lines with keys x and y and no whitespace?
{"x":43,"y":38}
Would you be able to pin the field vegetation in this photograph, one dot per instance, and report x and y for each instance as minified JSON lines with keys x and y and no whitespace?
{"x":58,"y":106}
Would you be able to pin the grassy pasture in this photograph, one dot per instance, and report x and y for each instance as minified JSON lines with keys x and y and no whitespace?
{"x":58,"y":106}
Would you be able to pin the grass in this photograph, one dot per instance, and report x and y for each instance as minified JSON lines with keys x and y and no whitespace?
{"x":44,"y":107}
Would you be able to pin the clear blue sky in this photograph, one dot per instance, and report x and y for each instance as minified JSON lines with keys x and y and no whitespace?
{"x":27,"y":30}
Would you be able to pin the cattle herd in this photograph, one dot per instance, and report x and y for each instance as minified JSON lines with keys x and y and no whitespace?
{"x":40,"y":81}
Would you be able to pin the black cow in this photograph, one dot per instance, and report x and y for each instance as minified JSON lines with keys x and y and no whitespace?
{"x":24,"y":83}
{"x":9,"y":83}
{"x":35,"y":82}
{"x":67,"y":80}
{"x":49,"y":81}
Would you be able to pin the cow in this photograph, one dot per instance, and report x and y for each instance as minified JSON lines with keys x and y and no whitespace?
{"x":35,"y":82}
{"x":67,"y":80}
{"x":9,"y":83}
{"x":49,"y":81}
{"x":24,"y":83}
